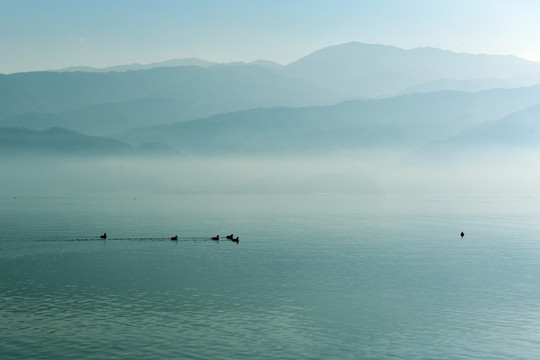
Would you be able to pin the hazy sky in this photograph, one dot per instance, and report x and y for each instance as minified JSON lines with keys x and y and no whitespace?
{"x":52,"y":34}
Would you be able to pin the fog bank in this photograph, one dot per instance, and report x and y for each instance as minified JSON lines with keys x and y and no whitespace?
{"x":489,"y":172}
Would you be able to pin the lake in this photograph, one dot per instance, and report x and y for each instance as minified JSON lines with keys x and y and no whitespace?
{"x":321,"y":276}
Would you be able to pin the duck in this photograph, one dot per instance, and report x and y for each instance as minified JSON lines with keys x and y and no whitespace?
{"x":236,"y":240}
{"x":215,"y":237}
{"x":230,"y":237}
{"x":462,"y":234}
{"x":175,"y":237}
{"x":104,"y":236}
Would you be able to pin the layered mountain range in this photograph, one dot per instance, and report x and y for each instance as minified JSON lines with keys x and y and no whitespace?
{"x":349,"y":98}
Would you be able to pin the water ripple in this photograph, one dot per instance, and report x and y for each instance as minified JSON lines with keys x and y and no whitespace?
{"x":305,"y":282}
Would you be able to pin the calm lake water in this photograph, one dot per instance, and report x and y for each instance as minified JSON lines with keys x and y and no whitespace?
{"x":312,"y":277}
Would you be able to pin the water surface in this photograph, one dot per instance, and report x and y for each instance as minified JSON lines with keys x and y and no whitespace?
{"x":313,"y":277}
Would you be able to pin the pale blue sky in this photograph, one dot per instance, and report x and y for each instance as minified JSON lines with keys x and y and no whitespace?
{"x":52,"y":34}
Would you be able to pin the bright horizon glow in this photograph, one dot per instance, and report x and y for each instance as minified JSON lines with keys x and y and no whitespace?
{"x":55,"y":34}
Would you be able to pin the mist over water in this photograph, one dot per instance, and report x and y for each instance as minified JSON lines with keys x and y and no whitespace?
{"x":174,"y":174}
{"x":496,"y":171}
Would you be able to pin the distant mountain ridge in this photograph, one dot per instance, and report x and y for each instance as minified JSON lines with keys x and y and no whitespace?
{"x":399,"y":122}
{"x":506,"y":148}
{"x":137,"y":67}
{"x":521,"y":129}
{"x":103,"y":119}
{"x":58,"y":141}
{"x":229,"y":87}
{"x":330,"y":75}
{"x":167,"y":63}
{"x":346,"y":96}
{"x":518,"y":130}
{"x":365,"y":70}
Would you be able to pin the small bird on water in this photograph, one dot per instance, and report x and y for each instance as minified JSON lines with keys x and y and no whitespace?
{"x":462,"y":234}
{"x":104,"y":236}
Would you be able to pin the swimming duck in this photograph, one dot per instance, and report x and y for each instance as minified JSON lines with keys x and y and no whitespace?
{"x":104,"y":236}
{"x":175,"y":237}
{"x":230,"y":237}
{"x":215,"y":237}
{"x":236,"y":240}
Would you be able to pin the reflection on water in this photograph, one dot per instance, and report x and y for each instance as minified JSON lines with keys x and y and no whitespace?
{"x":312,"y":277}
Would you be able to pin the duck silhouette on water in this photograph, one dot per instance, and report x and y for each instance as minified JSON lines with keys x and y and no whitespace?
{"x":104,"y":236}
{"x":230,"y":237}
{"x":175,"y":237}
{"x":215,"y":237}
{"x":235,"y":240}
{"x":462,"y":234}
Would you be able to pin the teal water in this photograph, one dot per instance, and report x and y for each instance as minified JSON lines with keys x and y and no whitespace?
{"x":313,"y":277}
